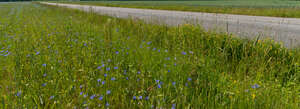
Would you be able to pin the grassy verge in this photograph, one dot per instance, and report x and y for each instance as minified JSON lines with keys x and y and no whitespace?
{"x":272,"y":8}
{"x":59,"y":58}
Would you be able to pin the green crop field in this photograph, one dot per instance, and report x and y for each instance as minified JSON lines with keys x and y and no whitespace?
{"x":277,"y":8}
{"x":53,"y":57}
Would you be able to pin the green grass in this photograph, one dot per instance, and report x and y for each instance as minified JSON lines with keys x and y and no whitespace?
{"x":50,"y":55}
{"x":276,"y":8}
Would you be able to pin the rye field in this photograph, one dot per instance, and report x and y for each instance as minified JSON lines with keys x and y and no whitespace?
{"x":274,"y":8}
{"x":53,"y":57}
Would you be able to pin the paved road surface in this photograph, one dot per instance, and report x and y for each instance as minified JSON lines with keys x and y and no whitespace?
{"x":286,"y":30}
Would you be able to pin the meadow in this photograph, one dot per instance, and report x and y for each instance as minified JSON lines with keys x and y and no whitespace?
{"x":274,"y":8}
{"x":54,"y":57}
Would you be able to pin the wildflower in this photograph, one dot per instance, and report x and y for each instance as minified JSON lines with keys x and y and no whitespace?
{"x":44,"y":84}
{"x":169,"y":71}
{"x":45,"y":74}
{"x":85,"y":95}
{"x":105,"y":75}
{"x":127,"y":78}
{"x":154,"y":49}
{"x":134,"y":97}
{"x":81,"y":93}
{"x":106,"y":104}
{"x":148,"y":43}
{"x":140,"y":97}
{"x":117,"y":52}
{"x":186,"y":84}
{"x":19,"y":93}
{"x":138,"y":79}
{"x":99,"y":80}
{"x":173,"y":106}
{"x":81,"y":86}
{"x":108,"y":92}
{"x":253,"y":96}
{"x":115,"y":68}
{"x":158,"y":50}
{"x":99,"y":67}
{"x":103,"y":82}
{"x":92,"y":97}
{"x":113,"y":78}
{"x":159,"y":86}
{"x":107,"y":69}
{"x":173,"y":83}
{"x":44,"y":65}
{"x":255,"y":86}
{"x":189,"y":79}
{"x":100,"y":98}
{"x":147,"y":98}
{"x":157,"y":81}
{"x":184,"y":53}
{"x":139,"y":72}
{"x":51,"y":97}
{"x":37,"y":53}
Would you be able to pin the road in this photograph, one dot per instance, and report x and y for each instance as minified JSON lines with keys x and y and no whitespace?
{"x":286,"y":30}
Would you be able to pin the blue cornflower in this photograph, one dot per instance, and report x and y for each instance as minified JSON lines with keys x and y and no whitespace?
{"x":92,"y":97}
{"x":168,"y":58}
{"x":81,"y":93}
{"x":107,"y":69}
{"x":106,"y":104}
{"x":173,"y":83}
{"x":158,"y":50}
{"x":37,"y":53}
{"x":103,"y":82}
{"x":159,"y":86}
{"x":105,"y":75}
{"x":255,"y":86}
{"x":169,"y":70}
{"x":127,"y":78}
{"x":147,"y":98}
{"x":139,"y":72}
{"x":175,"y":64}
{"x":85,"y":95}
{"x":115,"y":68}
{"x":103,"y":65}
{"x":191,"y":52}
{"x":140,"y":97}
{"x":138,"y":79}
{"x":184,"y":53}
{"x":173,"y":106}
{"x":113,"y":78}
{"x":157,"y":81}
{"x":99,"y":80}
{"x":117,"y":52}
{"x":148,"y":43}
{"x":44,"y":84}
{"x":45,"y":74}
{"x":154,"y":49}
{"x":134,"y":97}
{"x":51,"y":97}
{"x":84,"y":44}
{"x":186,"y":84}
{"x":19,"y":93}
{"x":44,"y":65}
{"x":108,"y":92}
{"x":99,"y":67}
{"x":189,"y":79}
{"x":100,"y":98}
{"x":81,"y":86}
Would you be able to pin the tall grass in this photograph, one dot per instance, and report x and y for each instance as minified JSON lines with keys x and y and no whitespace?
{"x":53,"y":57}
